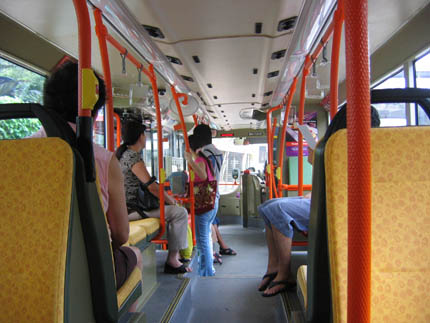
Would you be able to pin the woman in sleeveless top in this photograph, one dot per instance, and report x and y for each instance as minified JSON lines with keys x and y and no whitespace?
{"x":202,"y":168}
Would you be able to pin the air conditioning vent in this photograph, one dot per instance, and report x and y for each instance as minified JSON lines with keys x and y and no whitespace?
{"x":209,"y":85}
{"x":254,"y":70}
{"x":187,"y":78}
{"x":279,"y":54}
{"x":287,"y":24}
{"x":258,"y":27}
{"x":154,"y":31}
{"x":272,"y":74}
{"x":196,"y":59}
{"x":268,"y":93}
{"x":174,"y":60}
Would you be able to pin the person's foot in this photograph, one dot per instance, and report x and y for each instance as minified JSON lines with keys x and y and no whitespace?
{"x":168,"y":269}
{"x":266,"y":280}
{"x":177,"y":264}
{"x":217,"y":258}
{"x":227,"y":251}
{"x":276,"y":287}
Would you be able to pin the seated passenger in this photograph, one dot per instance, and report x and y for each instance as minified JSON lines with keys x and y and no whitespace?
{"x":61,"y":95}
{"x":280,"y":213}
{"x":135,"y":172}
{"x":203,"y":170}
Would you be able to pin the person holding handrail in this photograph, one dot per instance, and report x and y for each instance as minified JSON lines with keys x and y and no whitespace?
{"x":60,"y":94}
{"x":282,"y":215}
{"x":134,"y":169}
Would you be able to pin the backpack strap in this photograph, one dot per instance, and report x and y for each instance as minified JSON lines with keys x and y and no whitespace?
{"x":216,"y":161}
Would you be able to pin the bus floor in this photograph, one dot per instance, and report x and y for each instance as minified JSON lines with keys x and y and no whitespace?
{"x":229,"y":296}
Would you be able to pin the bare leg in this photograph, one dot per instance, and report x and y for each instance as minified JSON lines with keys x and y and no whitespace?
{"x":272,"y":258}
{"x":220,"y":241}
{"x":283,"y":247}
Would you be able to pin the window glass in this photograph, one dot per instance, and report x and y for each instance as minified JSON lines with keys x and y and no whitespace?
{"x":99,"y":129}
{"x":19,"y":85}
{"x":240,"y":157}
{"x":392,"y":114}
{"x":422,"y":80}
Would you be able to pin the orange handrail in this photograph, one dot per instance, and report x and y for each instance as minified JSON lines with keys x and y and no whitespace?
{"x":118,"y":129}
{"x":359,"y":161}
{"x":161,"y":172}
{"x":101,"y":32}
{"x":152,"y":77}
{"x":176,"y":97}
{"x":269,"y":169}
{"x":84,"y":32}
{"x":283,"y":136}
{"x":305,"y":72}
{"x":334,"y":67}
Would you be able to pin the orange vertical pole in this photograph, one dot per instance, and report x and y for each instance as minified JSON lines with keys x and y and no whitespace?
{"x":187,"y":148}
{"x":161,"y":172}
{"x":269,"y":168}
{"x":101,"y":35}
{"x":334,"y":67}
{"x":359,"y":161}
{"x":118,"y":129}
{"x":84,"y":30}
{"x":272,"y":166}
{"x":195,"y":120}
{"x":301,"y":114}
{"x":284,"y":129}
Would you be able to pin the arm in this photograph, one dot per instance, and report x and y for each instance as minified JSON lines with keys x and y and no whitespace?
{"x":117,"y":215}
{"x":198,"y":167}
{"x":139,"y":169}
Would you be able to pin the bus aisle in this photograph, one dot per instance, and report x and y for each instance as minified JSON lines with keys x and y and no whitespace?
{"x":229,"y":296}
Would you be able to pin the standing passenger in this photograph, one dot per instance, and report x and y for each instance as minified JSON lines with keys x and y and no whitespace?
{"x":203,"y":169}
{"x":135,"y":172}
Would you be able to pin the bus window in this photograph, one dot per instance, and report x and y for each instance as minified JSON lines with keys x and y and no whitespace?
{"x":392,"y":114}
{"x":238,"y":157}
{"x":19,"y":85}
{"x":422,"y":80}
{"x":99,"y":129}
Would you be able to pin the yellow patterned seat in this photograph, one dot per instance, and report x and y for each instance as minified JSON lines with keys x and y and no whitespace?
{"x":302,"y":281}
{"x":137,"y":234}
{"x":400,"y":262}
{"x":36,"y":212}
{"x":151,"y":225}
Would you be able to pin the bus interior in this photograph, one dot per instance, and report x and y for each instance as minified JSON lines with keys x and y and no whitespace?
{"x":253,"y":71}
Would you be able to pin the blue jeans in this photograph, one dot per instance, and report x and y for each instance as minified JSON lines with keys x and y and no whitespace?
{"x":204,"y":241}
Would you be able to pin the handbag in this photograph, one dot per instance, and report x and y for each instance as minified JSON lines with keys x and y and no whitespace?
{"x":146,"y":201}
{"x":205,"y":195}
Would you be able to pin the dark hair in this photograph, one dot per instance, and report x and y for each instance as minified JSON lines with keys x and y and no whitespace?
{"x":60,"y":92}
{"x":339,"y":120}
{"x":196,"y":143}
{"x":131,"y":131}
{"x":204,"y":132}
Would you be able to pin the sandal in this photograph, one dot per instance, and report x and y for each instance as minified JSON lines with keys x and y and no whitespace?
{"x":271,"y":277}
{"x":185,"y":260}
{"x":172,"y":270}
{"x":227,"y":252}
{"x":217,"y":258}
{"x":288,"y":285}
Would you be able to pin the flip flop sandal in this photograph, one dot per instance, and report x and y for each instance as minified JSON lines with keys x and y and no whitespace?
{"x":217,"y":259}
{"x":227,"y":252}
{"x":288,"y":285}
{"x":271,"y":277}
{"x":172,"y":270}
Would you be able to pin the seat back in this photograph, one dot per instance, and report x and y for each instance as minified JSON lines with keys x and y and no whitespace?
{"x":318,"y":271}
{"x":400,"y":265}
{"x":36,"y":207}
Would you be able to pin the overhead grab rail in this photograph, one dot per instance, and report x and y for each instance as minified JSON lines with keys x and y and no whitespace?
{"x":118,"y":15}
{"x":104,"y":36}
{"x":335,"y":28}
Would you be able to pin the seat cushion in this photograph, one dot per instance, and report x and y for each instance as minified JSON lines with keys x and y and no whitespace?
{"x":137,"y":233}
{"x":151,"y":225}
{"x":302,"y":281}
{"x":130,"y":284}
